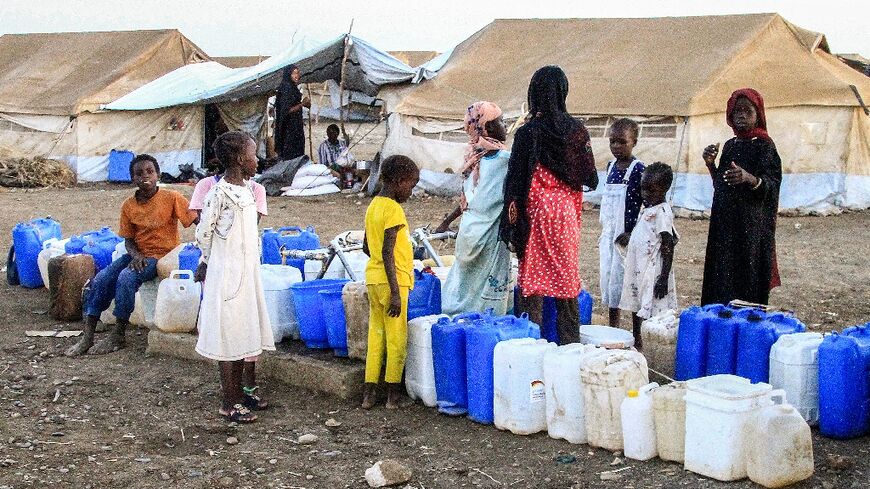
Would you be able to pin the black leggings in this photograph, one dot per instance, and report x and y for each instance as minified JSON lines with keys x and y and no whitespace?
{"x":567,"y":316}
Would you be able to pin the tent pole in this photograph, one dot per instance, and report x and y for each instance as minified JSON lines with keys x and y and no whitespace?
{"x":310,"y":136}
{"x":341,"y":82}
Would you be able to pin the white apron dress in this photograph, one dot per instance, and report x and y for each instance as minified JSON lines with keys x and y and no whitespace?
{"x":612,"y":217}
{"x":233,"y":320}
{"x":643,"y":263}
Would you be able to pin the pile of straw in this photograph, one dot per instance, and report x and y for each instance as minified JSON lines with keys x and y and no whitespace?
{"x":17,"y":171}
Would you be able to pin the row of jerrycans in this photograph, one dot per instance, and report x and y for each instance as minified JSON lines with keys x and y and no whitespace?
{"x":718,"y":339}
{"x":496,"y":370}
{"x":721,"y":426}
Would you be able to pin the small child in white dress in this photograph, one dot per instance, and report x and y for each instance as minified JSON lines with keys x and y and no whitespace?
{"x":649,"y":286}
{"x":233,"y":320}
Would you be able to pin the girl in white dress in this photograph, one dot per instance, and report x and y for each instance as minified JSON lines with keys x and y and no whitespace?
{"x":649,"y":286}
{"x":233,"y":321}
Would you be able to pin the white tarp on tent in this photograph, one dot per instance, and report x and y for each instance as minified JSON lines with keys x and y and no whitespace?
{"x":367,"y":69}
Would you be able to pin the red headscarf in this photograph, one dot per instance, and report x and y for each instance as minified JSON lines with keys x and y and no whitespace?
{"x":760,"y":130}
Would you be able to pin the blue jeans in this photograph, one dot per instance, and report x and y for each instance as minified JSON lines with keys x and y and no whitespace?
{"x":120,"y":282}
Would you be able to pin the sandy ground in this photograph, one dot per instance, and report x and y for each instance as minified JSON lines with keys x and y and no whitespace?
{"x":127,"y":420}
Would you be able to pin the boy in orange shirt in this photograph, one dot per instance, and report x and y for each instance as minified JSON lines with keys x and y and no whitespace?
{"x":149,"y":224}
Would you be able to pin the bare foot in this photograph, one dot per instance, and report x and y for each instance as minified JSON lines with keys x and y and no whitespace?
{"x":80,"y":348}
{"x":369,"y":398}
{"x":394,"y":396}
{"x":109,"y":344}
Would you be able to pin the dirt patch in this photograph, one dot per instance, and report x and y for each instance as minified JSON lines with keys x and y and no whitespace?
{"x":128,"y":420}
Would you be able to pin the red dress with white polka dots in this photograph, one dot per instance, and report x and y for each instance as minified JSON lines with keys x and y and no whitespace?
{"x":549,"y":267}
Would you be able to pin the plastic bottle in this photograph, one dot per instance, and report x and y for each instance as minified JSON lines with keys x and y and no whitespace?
{"x":638,"y":424}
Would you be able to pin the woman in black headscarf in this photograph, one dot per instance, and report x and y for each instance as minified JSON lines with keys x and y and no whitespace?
{"x":289,"y":136}
{"x":551,"y":161}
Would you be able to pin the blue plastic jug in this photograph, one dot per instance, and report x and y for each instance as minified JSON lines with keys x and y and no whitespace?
{"x":290,"y":238}
{"x":480,"y":341}
{"x":188,"y":257}
{"x":585,"y":303}
{"x":309,"y":310}
{"x":119,"y":165}
{"x":844,"y":383}
{"x":336,"y":323}
{"x":27,"y":237}
{"x":548,"y":314}
{"x":425,"y":298}
{"x":755,"y":340}
{"x":722,"y":338}
{"x":691,"y":355}
{"x":448,"y":357}
{"x":77,"y":243}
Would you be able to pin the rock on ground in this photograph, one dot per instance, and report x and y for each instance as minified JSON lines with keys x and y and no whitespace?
{"x":387,"y":473}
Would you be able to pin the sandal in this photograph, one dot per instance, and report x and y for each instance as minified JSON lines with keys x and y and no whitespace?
{"x":240,"y":414}
{"x":253,"y":401}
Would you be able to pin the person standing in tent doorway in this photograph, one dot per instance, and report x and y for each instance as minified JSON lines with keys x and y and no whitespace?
{"x":620,"y":206}
{"x":550,"y":163}
{"x":741,"y":246}
{"x":480,"y":277}
{"x":289,"y":135}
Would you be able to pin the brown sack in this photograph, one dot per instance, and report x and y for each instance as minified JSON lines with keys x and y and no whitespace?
{"x":67,"y":276}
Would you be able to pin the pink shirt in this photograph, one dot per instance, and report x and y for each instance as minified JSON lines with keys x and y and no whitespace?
{"x":197,"y":200}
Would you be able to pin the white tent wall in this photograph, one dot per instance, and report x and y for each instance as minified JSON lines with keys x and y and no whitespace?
{"x":821,"y":149}
{"x":37,"y":135}
{"x":173,"y":136}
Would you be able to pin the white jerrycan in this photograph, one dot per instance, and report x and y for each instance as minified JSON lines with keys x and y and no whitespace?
{"x":51,"y":248}
{"x":519,"y":403}
{"x":794,"y":368}
{"x":718,"y":407}
{"x":566,"y":417}
{"x":419,"y":366}
{"x":606,"y":379}
{"x":177,"y":303}
{"x":780,"y":451}
{"x":276,"y":280}
{"x":638,"y":424}
{"x":669,"y":410}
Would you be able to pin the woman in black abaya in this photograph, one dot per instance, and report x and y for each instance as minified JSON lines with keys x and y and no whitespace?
{"x":289,"y":135}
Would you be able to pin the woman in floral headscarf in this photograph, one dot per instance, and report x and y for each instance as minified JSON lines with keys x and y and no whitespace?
{"x":741,"y":245}
{"x":480,"y":276}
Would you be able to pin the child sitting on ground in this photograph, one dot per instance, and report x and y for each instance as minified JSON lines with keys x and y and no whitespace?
{"x":649,"y":287}
{"x":233,"y":320}
{"x":149,"y":225}
{"x":389,"y":278}
{"x":620,"y":206}
{"x":333,"y":153}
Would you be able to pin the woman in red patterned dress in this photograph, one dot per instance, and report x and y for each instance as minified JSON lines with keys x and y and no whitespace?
{"x":551,"y":161}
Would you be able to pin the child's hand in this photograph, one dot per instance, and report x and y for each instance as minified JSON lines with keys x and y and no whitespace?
{"x":137,"y":263}
{"x":660,"y":290}
{"x":710,"y":154}
{"x":622,"y":239}
{"x":395,"y":305}
{"x":736,"y":176}
{"x":199,"y":275}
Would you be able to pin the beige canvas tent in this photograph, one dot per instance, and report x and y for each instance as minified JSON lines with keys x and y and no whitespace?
{"x":673,"y":75}
{"x":52,"y":87}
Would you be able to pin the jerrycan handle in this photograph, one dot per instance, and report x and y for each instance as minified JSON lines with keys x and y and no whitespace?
{"x":778,"y":394}
{"x":184,"y":274}
{"x":295,"y":229}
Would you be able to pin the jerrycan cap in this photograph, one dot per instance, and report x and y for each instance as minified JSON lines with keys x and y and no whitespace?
{"x":754,"y":317}
{"x":726,"y":313}
{"x":632,"y":393}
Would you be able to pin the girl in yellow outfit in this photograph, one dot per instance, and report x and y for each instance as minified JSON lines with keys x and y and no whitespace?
{"x":389,"y":278}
